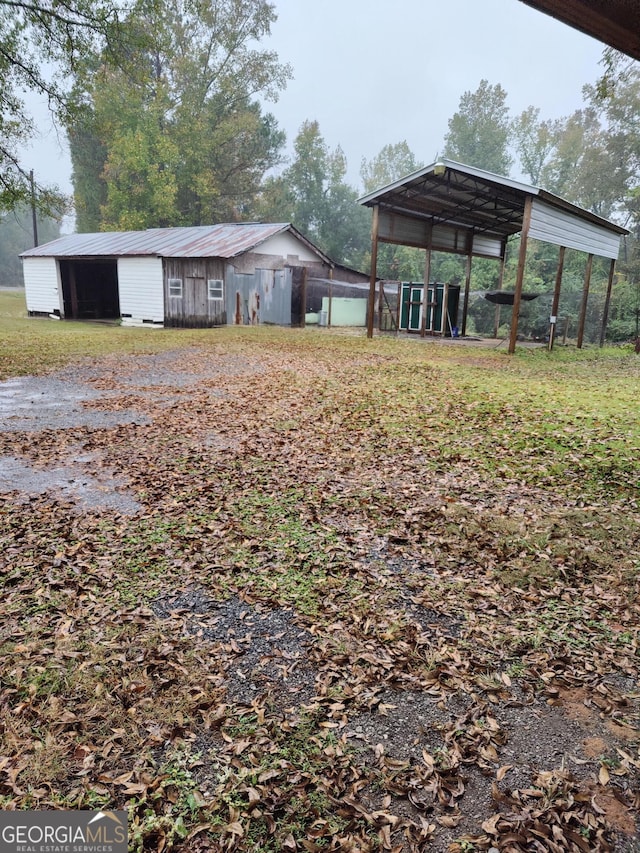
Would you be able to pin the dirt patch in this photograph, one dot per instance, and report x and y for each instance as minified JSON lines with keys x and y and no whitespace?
{"x":269,"y":651}
{"x":617,"y":813}
{"x":100,"y":396}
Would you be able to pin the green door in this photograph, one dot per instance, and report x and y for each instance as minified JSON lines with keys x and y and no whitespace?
{"x":415,"y":308}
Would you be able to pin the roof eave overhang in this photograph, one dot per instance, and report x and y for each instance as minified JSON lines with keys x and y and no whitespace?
{"x":613,"y":23}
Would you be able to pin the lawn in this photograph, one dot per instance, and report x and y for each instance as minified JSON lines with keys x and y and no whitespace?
{"x":333,"y":594}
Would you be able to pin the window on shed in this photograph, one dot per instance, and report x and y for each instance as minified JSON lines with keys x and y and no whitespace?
{"x":215,"y":288}
{"x":175,"y":288}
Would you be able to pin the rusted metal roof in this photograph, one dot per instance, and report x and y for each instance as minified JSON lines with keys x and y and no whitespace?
{"x":614,"y":22}
{"x":227,"y":240}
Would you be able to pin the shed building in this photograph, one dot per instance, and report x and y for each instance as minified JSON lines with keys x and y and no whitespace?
{"x":237,"y":273}
{"x":452,"y":207}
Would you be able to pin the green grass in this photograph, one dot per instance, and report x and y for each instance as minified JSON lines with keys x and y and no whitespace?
{"x":357,"y":483}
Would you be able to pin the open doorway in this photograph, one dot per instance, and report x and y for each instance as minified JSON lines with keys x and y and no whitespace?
{"x":90,"y":290}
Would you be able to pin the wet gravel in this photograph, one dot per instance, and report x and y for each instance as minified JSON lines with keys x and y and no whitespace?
{"x":267,"y":650}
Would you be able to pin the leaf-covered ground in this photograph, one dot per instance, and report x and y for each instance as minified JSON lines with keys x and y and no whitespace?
{"x":278,"y":590}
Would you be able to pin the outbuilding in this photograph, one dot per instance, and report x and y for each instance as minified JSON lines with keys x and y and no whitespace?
{"x":453,"y":207}
{"x":235,"y":273}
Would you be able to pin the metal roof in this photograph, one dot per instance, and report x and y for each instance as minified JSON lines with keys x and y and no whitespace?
{"x":227,"y":240}
{"x":614,"y":22}
{"x":469,"y":199}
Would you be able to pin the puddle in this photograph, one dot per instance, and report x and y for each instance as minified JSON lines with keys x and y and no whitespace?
{"x":70,"y":481}
{"x":38,"y":403}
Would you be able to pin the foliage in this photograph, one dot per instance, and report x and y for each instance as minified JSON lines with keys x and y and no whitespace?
{"x":16,"y":235}
{"x":174,"y":134}
{"x":534,"y":141}
{"x":582,"y":168}
{"x":360,"y":575}
{"x":40,"y":44}
{"x":480,"y":131}
{"x":312,"y":194}
{"x":390,"y":164}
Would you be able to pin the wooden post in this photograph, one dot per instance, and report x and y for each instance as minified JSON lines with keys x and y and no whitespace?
{"x":585,"y":298}
{"x":303,"y":299}
{"x":34,"y":216}
{"x":467,"y":288}
{"x":398,"y":308}
{"x":380,"y":304}
{"x":374,"y":270}
{"x":445,"y":310}
{"x":607,"y":302}
{"x":556,"y":299}
{"x":425,"y":291}
{"x":496,"y":318}
{"x":522,"y":258}
{"x":73,"y":291}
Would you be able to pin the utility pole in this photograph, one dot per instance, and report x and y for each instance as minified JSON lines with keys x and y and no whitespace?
{"x":33,"y":209}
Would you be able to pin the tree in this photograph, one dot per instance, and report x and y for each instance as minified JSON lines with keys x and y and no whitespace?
{"x":616,"y":98}
{"x":392,"y":162}
{"x":534,"y":141}
{"x":395,"y":263}
{"x":16,"y":235}
{"x":40,"y":43}
{"x":313,"y":194}
{"x":479,"y":133}
{"x":583,"y":167}
{"x":174,"y":134}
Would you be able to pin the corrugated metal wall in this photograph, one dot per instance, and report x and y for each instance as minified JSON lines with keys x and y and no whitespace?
{"x":395,"y":228}
{"x":140,"y":289}
{"x":42,"y":285}
{"x":260,"y":297}
{"x":562,"y":228}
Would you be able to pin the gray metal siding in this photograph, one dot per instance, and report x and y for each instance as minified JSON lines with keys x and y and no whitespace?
{"x":395,"y":228}
{"x":260,"y":297}
{"x":562,"y":228}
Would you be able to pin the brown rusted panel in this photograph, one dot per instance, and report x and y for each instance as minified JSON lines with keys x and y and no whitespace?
{"x":297,"y":279}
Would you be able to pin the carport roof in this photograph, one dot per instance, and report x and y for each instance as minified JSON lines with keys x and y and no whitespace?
{"x":226,"y":240}
{"x":470,"y":200}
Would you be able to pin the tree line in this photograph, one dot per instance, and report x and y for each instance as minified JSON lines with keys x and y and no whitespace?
{"x":163,"y":106}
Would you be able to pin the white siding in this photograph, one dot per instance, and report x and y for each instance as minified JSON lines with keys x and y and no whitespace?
{"x":488,"y":247}
{"x":562,"y":228}
{"x":141,"y":290}
{"x":286,"y":244}
{"x":42,"y":285}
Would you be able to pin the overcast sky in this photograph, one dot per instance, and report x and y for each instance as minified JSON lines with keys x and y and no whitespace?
{"x":374,"y":72}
